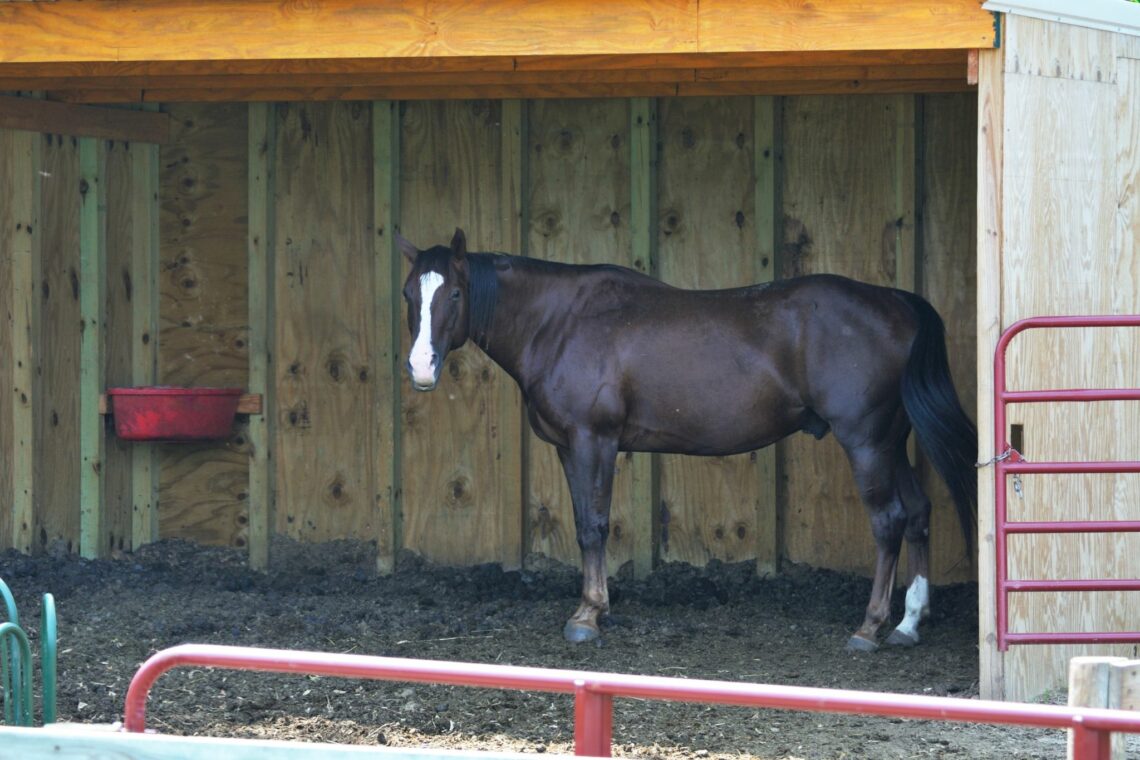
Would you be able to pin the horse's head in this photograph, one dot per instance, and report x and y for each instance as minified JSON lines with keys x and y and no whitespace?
{"x":436,"y":293}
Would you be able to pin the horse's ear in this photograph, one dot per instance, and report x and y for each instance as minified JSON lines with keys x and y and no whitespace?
{"x":459,"y":244}
{"x":410,"y":251}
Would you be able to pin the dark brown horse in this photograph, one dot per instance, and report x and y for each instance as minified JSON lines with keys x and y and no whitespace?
{"x":611,"y":360}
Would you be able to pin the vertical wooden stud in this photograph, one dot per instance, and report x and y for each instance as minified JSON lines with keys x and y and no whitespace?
{"x":906,"y":166}
{"x":643,"y":163}
{"x":144,"y":331}
{"x":262,"y":147}
{"x":389,"y":267}
{"x":766,"y":148}
{"x":92,"y":307}
{"x":511,"y":425}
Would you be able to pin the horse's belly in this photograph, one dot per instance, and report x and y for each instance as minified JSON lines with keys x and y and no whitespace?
{"x":709,"y":426}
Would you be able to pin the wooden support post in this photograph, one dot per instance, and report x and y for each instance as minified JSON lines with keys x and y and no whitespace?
{"x":906,"y":254}
{"x":260,"y":244}
{"x":643,"y":225}
{"x":512,"y":428}
{"x":144,"y":331}
{"x":20,"y":220}
{"x":388,"y":270}
{"x":766,"y":148}
{"x":991,"y":125}
{"x":1111,"y":682}
{"x":92,"y":309}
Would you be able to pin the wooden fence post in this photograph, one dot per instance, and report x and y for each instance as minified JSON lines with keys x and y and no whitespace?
{"x":1112,"y":682}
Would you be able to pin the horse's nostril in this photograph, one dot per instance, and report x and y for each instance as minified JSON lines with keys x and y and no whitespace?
{"x":435,"y":360}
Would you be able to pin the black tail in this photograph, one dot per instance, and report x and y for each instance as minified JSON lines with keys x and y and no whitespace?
{"x":944,"y":430}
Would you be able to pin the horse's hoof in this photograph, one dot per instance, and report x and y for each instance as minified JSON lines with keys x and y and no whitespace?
{"x":900,"y":639}
{"x":859,"y":644}
{"x":579,"y":633}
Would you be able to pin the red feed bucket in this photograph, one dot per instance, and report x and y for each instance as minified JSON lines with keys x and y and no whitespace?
{"x":173,"y":414}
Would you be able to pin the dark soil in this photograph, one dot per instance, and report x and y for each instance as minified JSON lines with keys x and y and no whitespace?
{"x":719,"y":622}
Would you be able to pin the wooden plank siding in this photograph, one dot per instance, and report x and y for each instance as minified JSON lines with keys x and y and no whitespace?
{"x":57,"y":413}
{"x":20,"y":262}
{"x":203,"y":314}
{"x":276,"y":273}
{"x":1068,"y":226}
{"x":326,"y":370}
{"x":706,"y":227}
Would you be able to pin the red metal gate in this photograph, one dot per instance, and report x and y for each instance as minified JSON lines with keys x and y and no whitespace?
{"x":1010,"y":462}
{"x":594,"y":693}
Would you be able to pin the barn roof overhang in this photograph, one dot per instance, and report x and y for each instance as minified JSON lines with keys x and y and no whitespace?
{"x":248,"y":50}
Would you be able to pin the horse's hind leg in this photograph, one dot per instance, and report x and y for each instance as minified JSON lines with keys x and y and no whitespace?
{"x":589,"y":466}
{"x":874,"y":471}
{"x":918,"y":556}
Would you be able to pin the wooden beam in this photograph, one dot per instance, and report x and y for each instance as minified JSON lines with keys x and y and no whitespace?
{"x":144,"y":332}
{"x":309,"y":80}
{"x":388,"y":263}
{"x":522,"y":91}
{"x":990,"y":173}
{"x":72,"y":31}
{"x":260,"y":245}
{"x":146,"y":74}
{"x":512,"y":415}
{"x":83,"y":121}
{"x":92,"y":309}
{"x":766,"y":147}
{"x":643,"y":226}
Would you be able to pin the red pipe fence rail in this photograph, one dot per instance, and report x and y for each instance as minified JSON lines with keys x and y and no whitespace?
{"x":1008,"y":461}
{"x":594,"y":693}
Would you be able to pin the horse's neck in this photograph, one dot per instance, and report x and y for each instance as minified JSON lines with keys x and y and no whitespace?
{"x":519,"y":314}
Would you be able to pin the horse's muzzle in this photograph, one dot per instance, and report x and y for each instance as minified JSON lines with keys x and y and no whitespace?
{"x":421,"y":383}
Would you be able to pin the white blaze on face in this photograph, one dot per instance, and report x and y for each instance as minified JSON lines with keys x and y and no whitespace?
{"x":420,"y":358}
{"x":917,"y":605}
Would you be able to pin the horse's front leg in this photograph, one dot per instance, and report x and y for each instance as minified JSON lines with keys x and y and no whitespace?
{"x":588,"y":462}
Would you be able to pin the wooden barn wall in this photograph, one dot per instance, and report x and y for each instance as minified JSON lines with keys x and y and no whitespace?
{"x":461,"y":445}
{"x":701,"y":192}
{"x":573,"y":145}
{"x":204,"y":319}
{"x":325,"y":350}
{"x":1071,"y":219}
{"x":57,"y":514}
{"x":118,"y":367}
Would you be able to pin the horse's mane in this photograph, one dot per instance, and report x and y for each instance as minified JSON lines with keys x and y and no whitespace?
{"x":483,"y":284}
{"x":483,"y":295}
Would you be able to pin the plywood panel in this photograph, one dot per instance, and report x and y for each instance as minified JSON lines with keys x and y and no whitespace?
{"x":841,"y":214}
{"x":1043,"y":48}
{"x":462,"y":500}
{"x":203,"y":312}
{"x":19,"y":331}
{"x":12,"y":186}
{"x":579,"y":213}
{"x":57,"y":475}
{"x":325,"y":362}
{"x":707,"y":239}
{"x":948,"y":279}
{"x":119,"y":290}
{"x":1069,"y":201}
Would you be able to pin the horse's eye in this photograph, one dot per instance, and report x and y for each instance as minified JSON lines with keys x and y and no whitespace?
{"x":455,"y":294}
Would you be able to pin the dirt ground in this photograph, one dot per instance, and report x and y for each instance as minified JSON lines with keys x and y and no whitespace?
{"x":719,"y":622}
